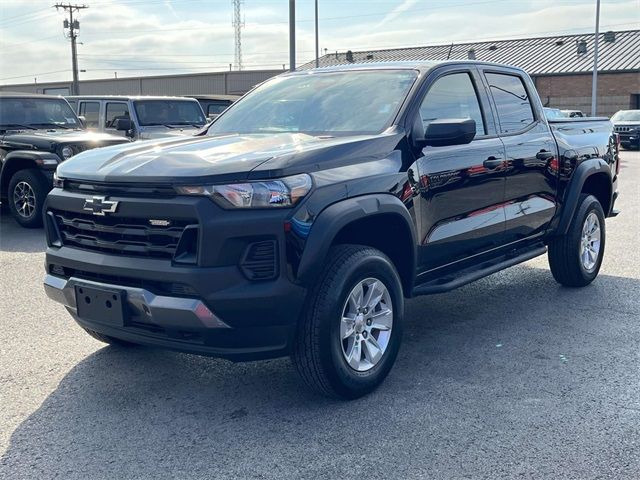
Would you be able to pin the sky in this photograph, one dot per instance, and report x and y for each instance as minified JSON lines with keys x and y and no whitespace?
{"x":155,"y":37}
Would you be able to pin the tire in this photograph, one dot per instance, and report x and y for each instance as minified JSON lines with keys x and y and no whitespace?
{"x":27,"y":191}
{"x":321,"y":348}
{"x":107,"y":339}
{"x":566,"y":260}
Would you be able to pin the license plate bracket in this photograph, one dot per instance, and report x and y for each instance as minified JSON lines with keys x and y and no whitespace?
{"x":102,"y":305}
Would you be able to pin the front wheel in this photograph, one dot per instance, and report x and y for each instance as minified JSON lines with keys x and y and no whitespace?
{"x":27,"y":191}
{"x":349,"y":336}
{"x":575,"y":258}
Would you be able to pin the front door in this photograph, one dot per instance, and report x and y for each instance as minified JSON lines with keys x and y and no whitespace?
{"x":461,"y":187}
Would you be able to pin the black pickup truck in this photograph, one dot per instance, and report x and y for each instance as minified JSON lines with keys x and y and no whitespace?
{"x":37,"y":132}
{"x":307,"y":213}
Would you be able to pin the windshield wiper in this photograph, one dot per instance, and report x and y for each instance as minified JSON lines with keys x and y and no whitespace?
{"x":9,"y":126}
{"x":50,"y":124}
{"x":168,"y":125}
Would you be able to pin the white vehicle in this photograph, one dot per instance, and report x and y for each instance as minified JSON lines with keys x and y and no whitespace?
{"x":139,"y":117}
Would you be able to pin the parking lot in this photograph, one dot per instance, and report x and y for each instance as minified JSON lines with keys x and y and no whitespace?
{"x":510,"y":377}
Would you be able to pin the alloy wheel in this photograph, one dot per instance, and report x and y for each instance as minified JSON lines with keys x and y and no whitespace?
{"x":366,"y":324}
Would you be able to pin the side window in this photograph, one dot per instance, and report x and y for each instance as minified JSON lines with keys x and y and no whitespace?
{"x":216,"y":108}
{"x":452,"y":96}
{"x":115,"y":111}
{"x":90,"y":111}
{"x":512,"y":102}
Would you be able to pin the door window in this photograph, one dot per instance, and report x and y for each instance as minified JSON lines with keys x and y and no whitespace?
{"x":90,"y":111}
{"x":512,"y":102}
{"x":114,"y":112}
{"x":452,"y":96}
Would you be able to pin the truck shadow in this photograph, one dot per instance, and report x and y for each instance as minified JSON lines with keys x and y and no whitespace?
{"x":472,"y":360}
{"x":14,"y":238}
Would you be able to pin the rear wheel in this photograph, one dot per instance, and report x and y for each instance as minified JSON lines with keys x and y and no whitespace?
{"x":575,"y":258}
{"x":27,"y":191}
{"x":107,"y":339}
{"x":349,"y":337}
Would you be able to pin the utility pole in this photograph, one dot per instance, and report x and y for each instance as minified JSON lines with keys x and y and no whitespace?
{"x":73,"y":26}
{"x":237,"y":26}
{"x":292,"y":35}
{"x":317,"y":49}
{"x":594,"y":83}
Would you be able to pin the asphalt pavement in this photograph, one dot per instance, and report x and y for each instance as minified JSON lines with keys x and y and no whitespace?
{"x":510,"y":377}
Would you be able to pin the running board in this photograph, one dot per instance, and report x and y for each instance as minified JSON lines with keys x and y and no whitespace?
{"x":476,"y":272}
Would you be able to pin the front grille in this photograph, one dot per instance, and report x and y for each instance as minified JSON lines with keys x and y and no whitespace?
{"x":121,"y":189}
{"x":260,"y":261}
{"x":622,"y":129}
{"x":119,"y":235}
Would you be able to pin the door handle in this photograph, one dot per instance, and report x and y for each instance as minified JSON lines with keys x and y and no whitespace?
{"x":492,"y":162}
{"x":544,"y":155}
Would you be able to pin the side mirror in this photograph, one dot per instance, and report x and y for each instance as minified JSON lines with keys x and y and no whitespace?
{"x":123,"y":124}
{"x":447,"y":131}
{"x":212,"y":116}
{"x":83,"y":121}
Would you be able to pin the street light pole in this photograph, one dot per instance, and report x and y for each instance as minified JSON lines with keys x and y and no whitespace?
{"x":594,"y":83}
{"x":317,"y":49}
{"x":292,"y":35}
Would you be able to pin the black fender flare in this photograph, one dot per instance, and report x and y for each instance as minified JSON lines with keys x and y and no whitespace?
{"x":584,"y":170}
{"x":337,"y":216}
{"x":43,"y":160}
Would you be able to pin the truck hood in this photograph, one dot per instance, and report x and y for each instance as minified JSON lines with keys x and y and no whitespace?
{"x":202,"y":159}
{"x":49,"y":139}
{"x":155,"y":132}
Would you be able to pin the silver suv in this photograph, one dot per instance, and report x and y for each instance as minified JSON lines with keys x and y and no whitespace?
{"x":139,"y":117}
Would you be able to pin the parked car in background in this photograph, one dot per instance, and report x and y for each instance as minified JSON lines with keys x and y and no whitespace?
{"x":572,"y":113}
{"x":37,"y":132}
{"x":140,"y":117}
{"x":553,"y":113}
{"x":214,"y":105}
{"x":299,"y":221}
{"x":627,"y":126}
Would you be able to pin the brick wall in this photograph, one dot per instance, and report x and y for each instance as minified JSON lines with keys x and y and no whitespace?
{"x":574,"y":91}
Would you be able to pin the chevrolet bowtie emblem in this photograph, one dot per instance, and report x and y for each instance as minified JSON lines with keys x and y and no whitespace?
{"x":100,"y":206}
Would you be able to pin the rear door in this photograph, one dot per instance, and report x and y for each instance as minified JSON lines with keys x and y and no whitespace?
{"x":531,"y":155}
{"x":461,"y":186}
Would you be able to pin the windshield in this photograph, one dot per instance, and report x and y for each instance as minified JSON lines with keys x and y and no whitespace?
{"x":627,"y":116}
{"x":169,"y":112}
{"x":322,"y":103}
{"x":36,"y":113}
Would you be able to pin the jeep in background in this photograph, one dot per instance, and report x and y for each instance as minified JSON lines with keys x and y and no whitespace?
{"x":627,"y":125}
{"x":37,"y":132}
{"x":141,"y":117}
{"x":299,"y":221}
{"x":214,"y":105}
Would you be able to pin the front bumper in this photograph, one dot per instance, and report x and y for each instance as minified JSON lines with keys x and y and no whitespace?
{"x":629,"y":140}
{"x":165,"y":299}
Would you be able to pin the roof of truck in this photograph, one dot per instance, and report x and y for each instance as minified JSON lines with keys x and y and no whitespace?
{"x":124,"y":98}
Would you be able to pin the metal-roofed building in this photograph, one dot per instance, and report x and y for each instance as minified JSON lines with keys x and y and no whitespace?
{"x":561,"y":65}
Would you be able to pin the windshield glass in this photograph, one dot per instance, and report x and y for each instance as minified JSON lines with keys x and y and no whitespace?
{"x":169,"y":112}
{"x":322,"y":103}
{"x":36,"y":113}
{"x":627,"y":115}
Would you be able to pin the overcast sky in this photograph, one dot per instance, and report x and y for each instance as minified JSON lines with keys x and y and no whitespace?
{"x":152,"y":37}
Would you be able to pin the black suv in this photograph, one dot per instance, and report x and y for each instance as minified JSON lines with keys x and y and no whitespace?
{"x":36,"y":133}
{"x":309,"y":210}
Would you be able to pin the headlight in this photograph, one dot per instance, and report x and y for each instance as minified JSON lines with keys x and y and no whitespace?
{"x":57,"y":181}
{"x":67,"y":152}
{"x":283,"y":192}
